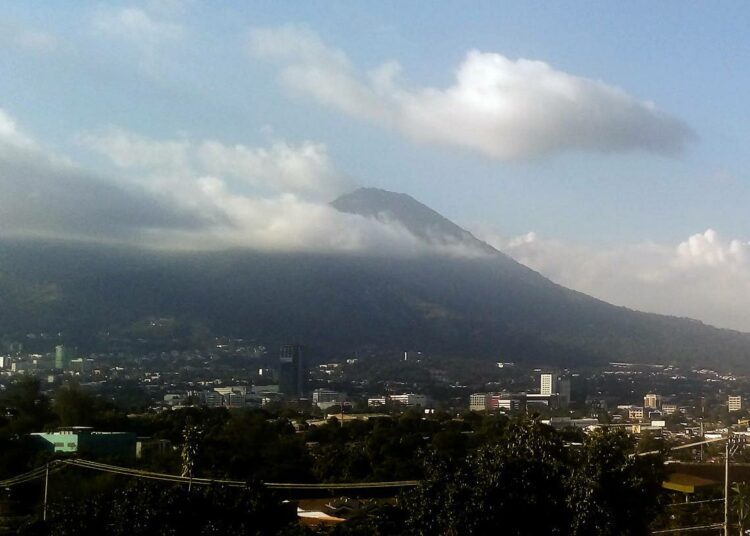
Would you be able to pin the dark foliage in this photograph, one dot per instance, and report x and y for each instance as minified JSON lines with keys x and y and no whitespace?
{"x":159,"y":510}
{"x":531,"y":484}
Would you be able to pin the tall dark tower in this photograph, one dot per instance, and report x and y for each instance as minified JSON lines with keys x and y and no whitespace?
{"x":291,"y":371}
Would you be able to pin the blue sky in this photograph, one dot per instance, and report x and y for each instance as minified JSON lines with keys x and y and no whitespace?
{"x":153,"y":72}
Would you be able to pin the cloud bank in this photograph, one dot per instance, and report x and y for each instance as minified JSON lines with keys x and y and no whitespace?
{"x":501,"y":108}
{"x":705,"y":276}
{"x":184,"y":194}
{"x":43,"y":194}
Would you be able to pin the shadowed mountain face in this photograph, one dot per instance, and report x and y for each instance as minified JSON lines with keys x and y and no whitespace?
{"x":482,"y":306}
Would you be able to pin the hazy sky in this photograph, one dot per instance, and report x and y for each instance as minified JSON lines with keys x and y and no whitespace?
{"x":604,"y":144}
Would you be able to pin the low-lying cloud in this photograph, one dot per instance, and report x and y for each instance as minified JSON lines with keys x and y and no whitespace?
{"x":304,"y":169}
{"x":184,"y":194}
{"x":502,"y":108}
{"x":46,"y":195}
{"x":705,"y":276}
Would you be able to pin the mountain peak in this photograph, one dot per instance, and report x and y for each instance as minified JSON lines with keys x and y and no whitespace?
{"x":417,"y":218}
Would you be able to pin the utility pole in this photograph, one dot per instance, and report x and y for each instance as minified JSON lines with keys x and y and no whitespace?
{"x":46,"y":486}
{"x":726,"y":486}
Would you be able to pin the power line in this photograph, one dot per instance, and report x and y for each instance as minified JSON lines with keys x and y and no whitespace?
{"x":714,"y":526}
{"x":673,"y":505}
{"x":178,"y":479}
{"x":56,"y":465}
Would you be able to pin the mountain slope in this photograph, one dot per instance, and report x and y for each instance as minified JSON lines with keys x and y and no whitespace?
{"x":485,"y":306}
{"x":420,"y":220}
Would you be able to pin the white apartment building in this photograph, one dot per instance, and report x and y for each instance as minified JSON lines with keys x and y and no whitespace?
{"x":479,"y":402}
{"x":635,"y":413}
{"x":409,"y":399}
{"x":547,"y":384}
{"x":377,"y":401}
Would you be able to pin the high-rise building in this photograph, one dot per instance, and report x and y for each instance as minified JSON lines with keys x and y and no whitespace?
{"x":62,"y":357}
{"x":548,"y":384}
{"x":578,"y":389}
{"x":558,"y":389}
{"x":734,"y":403}
{"x":563,"y":391}
{"x":652,"y":401}
{"x":292,"y":374}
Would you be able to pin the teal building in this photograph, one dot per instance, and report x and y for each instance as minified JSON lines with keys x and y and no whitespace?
{"x":84,"y":441}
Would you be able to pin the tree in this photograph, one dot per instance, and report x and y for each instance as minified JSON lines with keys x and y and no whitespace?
{"x":29,"y":408}
{"x":612,"y":492}
{"x":75,"y":406}
{"x":741,"y":505}
{"x":529,"y":483}
{"x":503,"y":485}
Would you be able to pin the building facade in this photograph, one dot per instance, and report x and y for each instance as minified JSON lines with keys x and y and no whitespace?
{"x":479,"y":402}
{"x":84,"y":441}
{"x":326,"y":398}
{"x":635,"y":413}
{"x":292,"y":372}
{"x":548,"y":384}
{"x":409,"y":399}
{"x":734,"y":403}
{"x":652,"y":401}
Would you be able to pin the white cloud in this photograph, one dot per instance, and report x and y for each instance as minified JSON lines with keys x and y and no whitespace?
{"x":129,"y":151}
{"x":705,"y":276}
{"x":191,"y":195}
{"x":48,"y":195}
{"x":327,"y":74}
{"x":304,"y":169}
{"x":504,"y":109}
{"x":10,"y":135}
{"x":149,"y":30}
{"x":37,"y":40}
{"x":34,"y":40}
{"x":137,"y":25}
{"x":269,"y":198}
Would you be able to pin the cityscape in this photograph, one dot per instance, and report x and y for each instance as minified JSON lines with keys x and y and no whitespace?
{"x":678,"y":413}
